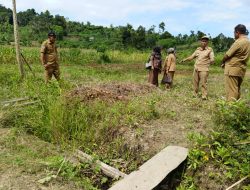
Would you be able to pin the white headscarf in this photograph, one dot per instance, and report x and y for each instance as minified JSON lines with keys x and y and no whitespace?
{"x":170,"y":50}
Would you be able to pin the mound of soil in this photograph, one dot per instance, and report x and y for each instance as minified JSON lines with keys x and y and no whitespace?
{"x":110,"y":92}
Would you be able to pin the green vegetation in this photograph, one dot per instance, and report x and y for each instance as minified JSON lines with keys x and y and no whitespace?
{"x":92,"y":110}
{"x":74,"y":56}
{"x":222,"y":155}
{"x":35,"y":26}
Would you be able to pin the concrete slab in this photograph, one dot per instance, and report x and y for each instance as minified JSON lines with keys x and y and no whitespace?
{"x":151,"y":173}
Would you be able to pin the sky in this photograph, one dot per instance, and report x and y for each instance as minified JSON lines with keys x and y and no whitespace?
{"x":180,"y":16}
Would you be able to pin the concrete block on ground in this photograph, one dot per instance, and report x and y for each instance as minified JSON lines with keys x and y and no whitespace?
{"x":154,"y":171}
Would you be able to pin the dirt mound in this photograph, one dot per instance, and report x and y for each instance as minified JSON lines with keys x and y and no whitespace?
{"x":110,"y":92}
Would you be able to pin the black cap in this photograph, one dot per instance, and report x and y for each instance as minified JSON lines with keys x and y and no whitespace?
{"x":52,"y":33}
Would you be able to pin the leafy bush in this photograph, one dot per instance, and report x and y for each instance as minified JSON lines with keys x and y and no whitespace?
{"x":104,"y":58}
{"x":233,"y":114}
{"x":222,"y":155}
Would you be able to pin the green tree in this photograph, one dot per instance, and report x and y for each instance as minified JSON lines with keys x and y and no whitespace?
{"x":127,"y":38}
{"x":59,"y":32}
{"x":42,"y":24}
{"x":61,"y":21}
{"x":200,"y":34}
{"x":162,"y":27}
{"x":26,"y":16}
{"x":167,"y":43}
{"x":140,"y":38}
{"x":151,"y":40}
{"x":165,"y":35}
{"x":5,"y":15}
{"x":222,"y":43}
{"x":151,"y":30}
{"x":6,"y":33}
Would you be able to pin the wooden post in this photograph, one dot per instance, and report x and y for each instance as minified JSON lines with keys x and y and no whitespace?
{"x":106,"y":169}
{"x":16,"y":34}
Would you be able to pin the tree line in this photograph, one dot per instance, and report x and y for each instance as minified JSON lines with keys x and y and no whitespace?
{"x":35,"y":26}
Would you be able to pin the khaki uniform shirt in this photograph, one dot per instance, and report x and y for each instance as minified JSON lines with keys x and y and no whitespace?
{"x":170,"y":62}
{"x":203,"y":58}
{"x":50,"y":51}
{"x":238,"y":55}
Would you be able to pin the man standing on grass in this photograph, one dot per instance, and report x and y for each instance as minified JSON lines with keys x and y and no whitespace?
{"x":235,"y":62}
{"x":49,"y":57}
{"x":204,"y":56}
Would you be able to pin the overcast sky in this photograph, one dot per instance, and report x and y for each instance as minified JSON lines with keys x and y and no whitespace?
{"x":180,"y":16}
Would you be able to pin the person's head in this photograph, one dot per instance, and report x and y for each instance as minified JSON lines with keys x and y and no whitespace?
{"x":239,"y":30}
{"x":204,"y":41}
{"x":170,"y":50}
{"x":52,"y":36}
{"x":157,"y":49}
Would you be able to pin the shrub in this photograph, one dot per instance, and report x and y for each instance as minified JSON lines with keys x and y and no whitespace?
{"x":233,"y":114}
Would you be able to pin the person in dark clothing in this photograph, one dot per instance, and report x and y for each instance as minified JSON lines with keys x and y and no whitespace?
{"x":156,"y":61}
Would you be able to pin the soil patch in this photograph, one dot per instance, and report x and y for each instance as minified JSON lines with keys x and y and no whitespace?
{"x":110,"y":92}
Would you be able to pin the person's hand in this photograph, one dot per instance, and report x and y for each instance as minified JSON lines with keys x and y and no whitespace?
{"x":222,"y":65}
{"x":45,"y":66}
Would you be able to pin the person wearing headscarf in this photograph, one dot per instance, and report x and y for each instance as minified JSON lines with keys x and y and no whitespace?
{"x":156,"y":67}
{"x":169,"y":67}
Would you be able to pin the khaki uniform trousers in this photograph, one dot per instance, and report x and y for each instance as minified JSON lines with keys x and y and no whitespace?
{"x":51,"y":70}
{"x":200,"y":77}
{"x":232,"y":86}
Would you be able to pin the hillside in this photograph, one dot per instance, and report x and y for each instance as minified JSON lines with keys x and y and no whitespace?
{"x":35,"y":26}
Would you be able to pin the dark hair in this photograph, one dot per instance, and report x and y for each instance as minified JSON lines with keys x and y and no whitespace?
{"x":157,"y":49}
{"x":52,"y":33}
{"x":241,"y":29}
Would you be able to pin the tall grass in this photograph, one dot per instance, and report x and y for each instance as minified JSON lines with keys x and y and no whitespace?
{"x":92,"y":126}
{"x":73,"y":56}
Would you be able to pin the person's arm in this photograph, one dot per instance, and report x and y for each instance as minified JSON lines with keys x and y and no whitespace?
{"x":225,"y":58}
{"x":42,"y":55}
{"x":230,"y":53}
{"x":42,"y":58}
{"x":152,"y":61}
{"x":211,"y":56}
{"x":169,"y":63}
{"x":190,"y":58}
{"x":57,"y":55}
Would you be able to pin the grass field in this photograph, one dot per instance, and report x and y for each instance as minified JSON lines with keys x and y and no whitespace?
{"x":108,"y":110}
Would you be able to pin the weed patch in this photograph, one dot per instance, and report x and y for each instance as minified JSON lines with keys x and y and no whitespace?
{"x":218,"y":158}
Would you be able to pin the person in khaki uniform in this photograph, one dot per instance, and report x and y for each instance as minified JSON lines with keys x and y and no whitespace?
{"x":49,"y":57}
{"x":204,"y":57}
{"x":170,"y":66}
{"x":235,"y":63}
